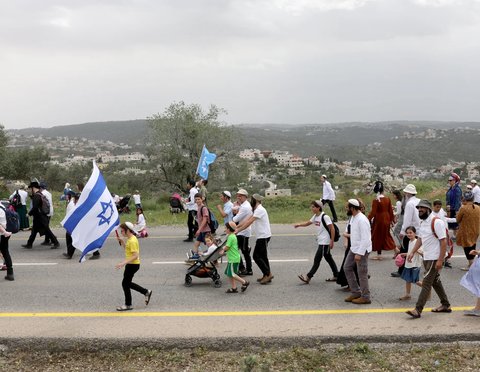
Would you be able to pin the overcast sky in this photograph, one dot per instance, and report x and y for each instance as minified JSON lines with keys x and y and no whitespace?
{"x":264,"y":61}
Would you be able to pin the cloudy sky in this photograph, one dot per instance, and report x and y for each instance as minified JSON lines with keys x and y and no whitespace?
{"x":264,"y":61}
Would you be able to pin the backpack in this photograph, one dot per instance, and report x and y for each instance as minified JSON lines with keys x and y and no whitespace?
{"x":16,"y":200}
{"x":335,"y":227}
{"x":212,"y":221}
{"x":449,"y":241}
{"x":45,"y":207}
{"x":13,"y":222}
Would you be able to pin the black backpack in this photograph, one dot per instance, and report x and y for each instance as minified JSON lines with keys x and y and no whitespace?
{"x":335,"y":227}
{"x":45,"y":207}
{"x":16,"y":200}
{"x":13,"y":222}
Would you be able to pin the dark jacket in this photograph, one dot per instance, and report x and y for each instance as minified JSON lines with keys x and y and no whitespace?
{"x":40,"y":220}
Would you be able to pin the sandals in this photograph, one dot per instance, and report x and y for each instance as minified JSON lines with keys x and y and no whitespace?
{"x":331,"y":279}
{"x":442,"y":309}
{"x":245,"y":286}
{"x":124,"y":308}
{"x":231,"y":290}
{"x":147,"y":297}
{"x":304,"y":279}
{"x":413,"y":313}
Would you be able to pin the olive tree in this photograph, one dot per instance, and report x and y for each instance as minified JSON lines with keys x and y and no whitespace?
{"x":177,"y":137}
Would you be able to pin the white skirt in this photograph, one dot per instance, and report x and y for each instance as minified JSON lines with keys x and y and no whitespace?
{"x":471,"y":280}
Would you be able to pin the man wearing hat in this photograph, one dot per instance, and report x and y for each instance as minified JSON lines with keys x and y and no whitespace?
{"x":261,"y":225}
{"x":226,"y":210}
{"x":360,"y":248}
{"x":243,"y":212}
{"x":454,"y":200}
{"x":475,"y":192}
{"x":48,"y":195}
{"x":40,"y":219}
{"x":432,"y":238}
{"x":328,"y":196}
{"x":410,"y":218}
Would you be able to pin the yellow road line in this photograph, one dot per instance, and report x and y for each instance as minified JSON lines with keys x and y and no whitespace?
{"x":183,"y":314}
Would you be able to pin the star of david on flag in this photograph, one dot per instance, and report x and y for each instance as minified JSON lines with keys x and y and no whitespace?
{"x":206,"y":159}
{"x":94,"y":216}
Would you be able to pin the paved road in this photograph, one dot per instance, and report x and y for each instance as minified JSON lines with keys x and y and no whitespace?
{"x":55,"y":297}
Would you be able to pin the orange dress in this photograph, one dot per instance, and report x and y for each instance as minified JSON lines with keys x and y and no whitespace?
{"x":382,"y":215}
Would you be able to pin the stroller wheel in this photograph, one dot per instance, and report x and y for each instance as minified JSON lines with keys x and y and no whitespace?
{"x":188,"y":280}
{"x":217,"y":283}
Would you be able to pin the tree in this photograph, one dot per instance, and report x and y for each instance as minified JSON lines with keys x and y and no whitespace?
{"x":178,"y":136}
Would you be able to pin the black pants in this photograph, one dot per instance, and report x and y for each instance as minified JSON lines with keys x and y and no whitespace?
{"x":70,"y":247}
{"x":467,"y":251}
{"x":341,"y":278}
{"x":127,"y":284}
{"x":332,"y":208}
{"x":403,"y":249}
{"x":245,"y":249}
{"x":6,"y":254}
{"x":48,"y":234}
{"x":260,"y":255}
{"x":47,"y":238}
{"x":192,"y":224}
{"x":323,"y":251}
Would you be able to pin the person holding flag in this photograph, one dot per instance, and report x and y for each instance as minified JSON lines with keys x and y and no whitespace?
{"x":94,"y":216}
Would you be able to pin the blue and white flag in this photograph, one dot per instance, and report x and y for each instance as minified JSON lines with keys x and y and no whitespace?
{"x":95,"y":215}
{"x":206,"y":159}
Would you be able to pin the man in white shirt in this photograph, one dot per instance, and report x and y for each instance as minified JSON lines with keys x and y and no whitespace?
{"x":48,"y":195}
{"x":432,"y":238}
{"x":410,"y":218}
{"x":328,"y":196}
{"x":243,"y":212}
{"x":226,"y":210}
{"x":4,"y":238}
{"x":475,"y":192}
{"x":261,"y":225}
{"x":360,"y":247}
{"x":192,"y":210}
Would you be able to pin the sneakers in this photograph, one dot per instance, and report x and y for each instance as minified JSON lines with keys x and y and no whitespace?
{"x":361,"y":301}
{"x":472,"y":312}
{"x":245,"y":273}
{"x":195,"y":256}
{"x":28,"y":246}
{"x":3,"y":268}
{"x":351,"y":298}
{"x":395,"y":274}
{"x":147,"y":297}
{"x":124,"y":308}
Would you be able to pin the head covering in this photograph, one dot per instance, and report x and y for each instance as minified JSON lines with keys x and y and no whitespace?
{"x":425,"y":204}
{"x":227,"y":194}
{"x":130,"y":227}
{"x":43,"y":185}
{"x":34,"y":184}
{"x":378,"y":188}
{"x":258,"y":197}
{"x":468,"y":196}
{"x":454,"y":177}
{"x":242,"y":192}
{"x":473,"y":181}
{"x":354,"y":202}
{"x":324,"y":176}
{"x":410,"y":189}
{"x":469,"y":187}
{"x":319,"y":203}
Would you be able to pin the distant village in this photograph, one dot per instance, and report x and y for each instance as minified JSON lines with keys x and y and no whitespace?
{"x":65,"y":152}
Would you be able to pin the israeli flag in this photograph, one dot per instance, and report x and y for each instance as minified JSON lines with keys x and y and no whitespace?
{"x":206,"y":159}
{"x":95,"y":215}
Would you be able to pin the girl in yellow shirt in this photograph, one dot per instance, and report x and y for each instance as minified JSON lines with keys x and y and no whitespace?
{"x":131,"y":264}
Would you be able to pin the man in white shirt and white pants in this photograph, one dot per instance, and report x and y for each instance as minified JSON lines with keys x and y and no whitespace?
{"x":432,"y":239}
{"x":475,"y":192}
{"x":328,"y":196}
{"x":360,"y":247}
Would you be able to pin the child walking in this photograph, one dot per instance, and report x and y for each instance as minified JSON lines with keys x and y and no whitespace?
{"x":131,"y":264}
{"x":233,"y":256}
{"x":411,"y":272}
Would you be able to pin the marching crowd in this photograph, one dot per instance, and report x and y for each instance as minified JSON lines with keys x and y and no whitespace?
{"x":418,"y":231}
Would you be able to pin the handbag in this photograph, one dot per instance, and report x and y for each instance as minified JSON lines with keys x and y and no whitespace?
{"x":399,"y":260}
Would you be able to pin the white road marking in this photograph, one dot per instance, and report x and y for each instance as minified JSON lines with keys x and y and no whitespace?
{"x":35,"y":263}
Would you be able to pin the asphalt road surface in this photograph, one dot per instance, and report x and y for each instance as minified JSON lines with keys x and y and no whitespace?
{"x":59,"y":298}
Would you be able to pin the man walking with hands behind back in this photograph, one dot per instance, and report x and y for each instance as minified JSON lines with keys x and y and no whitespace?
{"x":328,"y":196}
{"x":432,"y":238}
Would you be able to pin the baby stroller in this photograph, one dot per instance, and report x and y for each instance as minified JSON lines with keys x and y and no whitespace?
{"x":176,"y":205}
{"x":205,"y":268}
{"x":122,"y":206}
